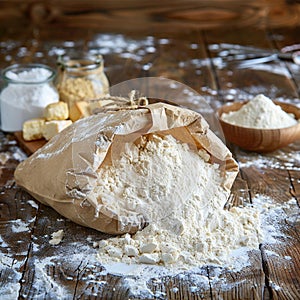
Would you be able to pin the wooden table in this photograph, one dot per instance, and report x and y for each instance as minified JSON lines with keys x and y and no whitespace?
{"x":32,"y":268}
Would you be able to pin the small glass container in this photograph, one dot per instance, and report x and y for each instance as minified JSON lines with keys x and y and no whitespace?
{"x":27,"y":90}
{"x":81,"y":77}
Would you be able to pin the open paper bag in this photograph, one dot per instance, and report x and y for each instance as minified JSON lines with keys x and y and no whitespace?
{"x":62,"y":174}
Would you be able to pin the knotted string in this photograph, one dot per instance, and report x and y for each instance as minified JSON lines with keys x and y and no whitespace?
{"x":120,"y":103}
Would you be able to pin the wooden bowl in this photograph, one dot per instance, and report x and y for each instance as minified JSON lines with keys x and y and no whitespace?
{"x":260,"y":140}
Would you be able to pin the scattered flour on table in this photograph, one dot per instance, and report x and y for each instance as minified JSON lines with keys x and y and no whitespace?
{"x":96,"y":276}
{"x":271,"y":226}
{"x":19,"y":226}
{"x":267,"y":226}
{"x":10,"y":267}
{"x":285,"y":160}
{"x":260,"y":112}
{"x":188,"y":224}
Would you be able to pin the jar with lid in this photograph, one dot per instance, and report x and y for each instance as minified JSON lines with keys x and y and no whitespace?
{"x":81,"y":77}
{"x":27,"y":90}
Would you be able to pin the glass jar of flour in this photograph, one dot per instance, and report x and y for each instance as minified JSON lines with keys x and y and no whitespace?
{"x":27,"y":90}
{"x":81,"y":77}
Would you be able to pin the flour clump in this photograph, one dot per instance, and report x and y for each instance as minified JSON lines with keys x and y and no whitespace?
{"x":157,"y":177}
{"x":261,"y":112}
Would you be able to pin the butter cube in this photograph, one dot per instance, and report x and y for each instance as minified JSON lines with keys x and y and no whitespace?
{"x":78,"y":110}
{"x":56,"y":111}
{"x":32,"y":129}
{"x":52,"y":128}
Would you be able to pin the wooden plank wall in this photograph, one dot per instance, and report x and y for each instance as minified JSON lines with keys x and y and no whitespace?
{"x":153,"y":16}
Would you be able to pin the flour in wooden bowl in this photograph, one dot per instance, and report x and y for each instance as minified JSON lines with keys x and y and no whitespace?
{"x":261,"y":112}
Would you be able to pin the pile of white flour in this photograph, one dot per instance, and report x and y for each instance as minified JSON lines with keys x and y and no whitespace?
{"x":30,"y":88}
{"x":182,"y":196}
{"x":261,"y":112}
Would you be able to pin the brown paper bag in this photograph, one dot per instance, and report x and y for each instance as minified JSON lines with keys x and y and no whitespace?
{"x":63,"y":173}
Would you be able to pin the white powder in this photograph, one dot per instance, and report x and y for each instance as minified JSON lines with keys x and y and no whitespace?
{"x":19,"y":226}
{"x":32,"y":75}
{"x":261,"y":112}
{"x":184,"y":205}
{"x":135,"y":278}
{"x":25,"y":97}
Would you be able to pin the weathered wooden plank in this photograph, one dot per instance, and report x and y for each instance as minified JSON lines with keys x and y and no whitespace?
{"x":167,"y":16}
{"x":237,"y":84}
{"x":185,"y":61}
{"x":282,"y":258}
{"x":268,"y":175}
{"x":282,"y":267}
{"x":248,"y":283}
{"x":239,"y":193}
{"x":288,"y":41}
{"x":29,"y":147}
{"x":274,"y":183}
{"x":17,"y":218}
{"x":265,"y":175}
{"x":51,"y":271}
{"x":56,"y":271}
{"x":295,"y":180}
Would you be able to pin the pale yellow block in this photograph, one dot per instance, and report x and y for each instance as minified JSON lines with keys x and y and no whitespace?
{"x":79,"y":110}
{"x":74,"y":113}
{"x":84,"y":108}
{"x":52,"y":128}
{"x":32,"y":129}
{"x":56,"y":111}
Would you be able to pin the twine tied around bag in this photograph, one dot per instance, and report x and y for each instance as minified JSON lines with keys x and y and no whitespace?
{"x":115,"y":103}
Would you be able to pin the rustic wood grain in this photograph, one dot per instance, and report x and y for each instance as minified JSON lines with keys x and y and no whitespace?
{"x":239,"y":193}
{"x":59,"y":269}
{"x":283,"y":274}
{"x":156,"y":16}
{"x":295,"y":181}
{"x":188,"y":58}
{"x":271,"y":178}
{"x":29,"y":147}
{"x":281,"y":40}
{"x":246,"y":284}
{"x":15,"y":239}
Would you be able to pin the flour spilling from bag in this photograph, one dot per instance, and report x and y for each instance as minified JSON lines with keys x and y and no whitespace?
{"x":174,"y":176}
{"x":157,"y":175}
{"x":181,"y":193}
{"x":91,"y":145}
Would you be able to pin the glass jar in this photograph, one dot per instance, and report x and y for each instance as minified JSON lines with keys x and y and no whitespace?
{"x":27,"y":90}
{"x":81,"y":77}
